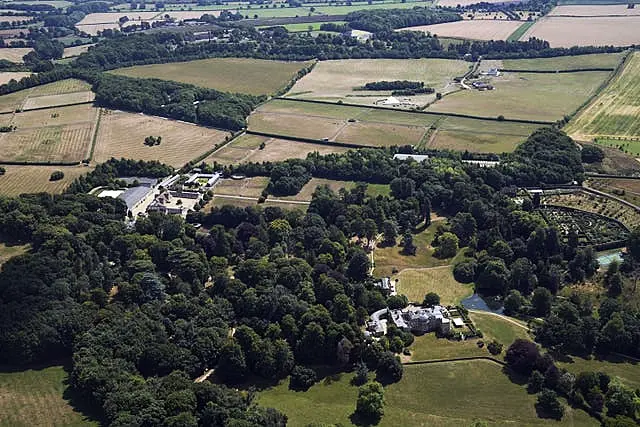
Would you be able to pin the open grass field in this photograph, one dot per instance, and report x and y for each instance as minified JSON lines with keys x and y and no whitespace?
{"x":475,"y":30}
{"x":390,"y":258}
{"x":495,"y":327}
{"x":596,"y":204}
{"x":35,"y":179}
{"x":596,"y":60}
{"x":631,"y":147}
{"x":252,"y":76}
{"x":9,"y":250}
{"x":61,"y":87}
{"x":598,"y":30}
{"x":546,"y":97}
{"x":626,"y":189}
{"x":374,"y":127}
{"x":7,"y":76}
{"x":122,"y":134}
{"x":75,"y":50}
{"x":440,"y":395}
{"x":627,"y":371}
{"x":36,"y":397}
{"x":614,"y":112}
{"x":336,"y":79}
{"x":415,"y":283}
{"x":247,"y":187}
{"x":34,"y":102}
{"x":310,"y":187}
{"x":14,"y":54}
{"x":594,"y":10}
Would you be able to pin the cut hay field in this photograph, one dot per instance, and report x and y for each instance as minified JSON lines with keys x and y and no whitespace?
{"x":252,"y":76}
{"x":35,"y":179}
{"x":61,"y":134}
{"x":68,"y":91}
{"x":122,"y":134}
{"x":594,"y":10}
{"x":33,"y":102}
{"x":529,"y":96}
{"x":337,"y":79}
{"x":75,"y":50}
{"x":14,"y":54}
{"x":7,"y":76}
{"x":487,"y":29}
{"x":444,"y":395}
{"x":596,"y":204}
{"x":415,"y":283}
{"x":246,"y":148}
{"x":113,"y":17}
{"x":597,"y":30}
{"x":373,"y":127}
{"x":247,"y":187}
{"x":596,"y":60}
{"x":35,"y":397}
{"x":615,"y":111}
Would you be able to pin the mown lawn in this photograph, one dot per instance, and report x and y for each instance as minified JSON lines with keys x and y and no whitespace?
{"x":415,"y":283}
{"x":441,"y":395}
{"x":430,"y":347}
{"x":36,"y":397}
{"x":494,"y":327}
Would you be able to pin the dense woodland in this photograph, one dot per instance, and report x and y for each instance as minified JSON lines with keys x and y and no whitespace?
{"x":382,"y":20}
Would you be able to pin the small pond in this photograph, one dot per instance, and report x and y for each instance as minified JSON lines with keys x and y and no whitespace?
{"x":606,"y":258}
{"x":476,"y":302}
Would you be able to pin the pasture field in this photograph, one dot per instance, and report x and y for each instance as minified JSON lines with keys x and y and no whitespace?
{"x":596,"y":204}
{"x":390,"y":258}
{"x":35,"y":179}
{"x":252,"y":76}
{"x":34,"y":102}
{"x":75,"y":50}
{"x":310,"y":187}
{"x":595,"y":60}
{"x":486,"y":29}
{"x":626,"y":189}
{"x":498,"y":328}
{"x":7,"y":76}
{"x":122,"y":134}
{"x":8,"y":251}
{"x":14,"y":54}
{"x":585,"y":10}
{"x":247,"y":187}
{"x":530,"y":96}
{"x":336,"y":80}
{"x":415,"y":283}
{"x":35,"y":397}
{"x":444,"y":395}
{"x":631,"y":147}
{"x":597,"y":30}
{"x":614,"y":112}
{"x":94,"y":29}
{"x":626,"y":370}
{"x":387,"y":127}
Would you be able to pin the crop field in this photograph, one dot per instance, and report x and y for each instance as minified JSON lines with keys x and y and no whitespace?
{"x":75,"y":89}
{"x":252,"y":76}
{"x":487,"y":29}
{"x":475,"y":390}
{"x":626,"y":189}
{"x":61,"y":87}
{"x":597,"y":30}
{"x":35,"y":397}
{"x":122,"y":134}
{"x":454,"y":3}
{"x":94,"y":29}
{"x":627,"y":146}
{"x":14,"y":54}
{"x":339,"y":79}
{"x":615,"y":111}
{"x":596,"y":60}
{"x":546,"y":97}
{"x":35,"y":179}
{"x":7,"y":18}
{"x":596,"y":204}
{"x":367,"y":127}
{"x":247,"y":149}
{"x":113,"y":17}
{"x":52,"y":100}
{"x":594,"y":10}
{"x":415,"y":283}
{"x":6,"y":76}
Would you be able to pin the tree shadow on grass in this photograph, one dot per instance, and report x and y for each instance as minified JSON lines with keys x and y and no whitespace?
{"x":361,"y":421}
{"x":80,"y":402}
{"x":515,"y":377}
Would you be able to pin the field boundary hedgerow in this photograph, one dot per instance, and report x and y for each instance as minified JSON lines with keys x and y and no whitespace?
{"x":519,"y":32}
{"x":576,"y":70}
{"x":455,"y":359}
{"x":94,"y":138}
{"x":433,"y":113}
{"x":309,"y":140}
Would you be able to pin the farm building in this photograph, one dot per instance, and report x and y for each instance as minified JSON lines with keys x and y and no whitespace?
{"x":483,"y":163}
{"x":417,"y":157}
{"x":482,"y":85}
{"x":359,"y":34}
{"x":174,"y":202}
{"x":203,"y":179}
{"x":422,"y":319}
{"x":492,"y":72}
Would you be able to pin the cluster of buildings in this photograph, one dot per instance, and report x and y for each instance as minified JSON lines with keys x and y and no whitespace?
{"x":173,"y":195}
{"x":415,"y":319}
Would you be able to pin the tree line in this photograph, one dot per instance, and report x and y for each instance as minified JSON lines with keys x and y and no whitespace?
{"x":384,"y":20}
